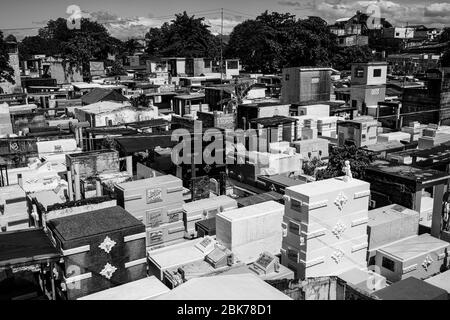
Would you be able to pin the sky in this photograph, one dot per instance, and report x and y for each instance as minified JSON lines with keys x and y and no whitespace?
{"x":132,"y":18}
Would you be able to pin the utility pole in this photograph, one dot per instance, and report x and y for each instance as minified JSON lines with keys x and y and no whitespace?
{"x":221,"y":48}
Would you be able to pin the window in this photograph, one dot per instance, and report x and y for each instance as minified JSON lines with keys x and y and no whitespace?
{"x":292,"y":255}
{"x":376,"y":73}
{"x":287,"y":77}
{"x":397,"y":34}
{"x":207,"y":63}
{"x":294,"y":228}
{"x":388,"y":264}
{"x":296,"y":205}
{"x":314,"y":80}
{"x":359,"y":72}
{"x":233,"y":64}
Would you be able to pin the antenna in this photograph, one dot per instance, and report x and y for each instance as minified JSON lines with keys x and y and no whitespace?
{"x":221,"y":47}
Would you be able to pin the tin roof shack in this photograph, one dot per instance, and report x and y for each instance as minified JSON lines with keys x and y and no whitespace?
{"x":417,"y":256}
{"x":405,"y":185}
{"x":100,"y":94}
{"x":273,"y":129}
{"x":109,"y":113}
{"x":361,"y":131}
{"x":174,"y":256}
{"x":368,"y":86}
{"x":247,"y":112}
{"x":217,"y":96}
{"x":144,"y":289}
{"x":217,"y":119}
{"x":259,"y":198}
{"x":225,"y":287}
{"x":442,"y":281}
{"x":249,"y":231}
{"x":158,"y":203}
{"x":101,"y":249}
{"x":301,"y":84}
{"x":431,"y":104}
{"x":204,"y":209}
{"x":389,"y":224}
{"x":411,"y":289}
{"x":188,"y":103}
{"x":272,"y":84}
{"x":23,"y":266}
{"x":325,"y":227}
{"x":13,"y":208}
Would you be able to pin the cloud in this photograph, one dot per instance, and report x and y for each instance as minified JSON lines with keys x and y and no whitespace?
{"x":290,"y":3}
{"x":136,"y":27}
{"x":437,"y":10}
{"x":399,"y":14}
{"x":124,"y":28}
{"x":228,"y":24}
{"x":297,"y":5}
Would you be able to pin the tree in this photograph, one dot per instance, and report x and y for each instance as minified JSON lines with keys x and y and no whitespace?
{"x":185,"y":36}
{"x":76,"y":47}
{"x":6,"y":71}
{"x":35,"y":45}
{"x":140,"y":101}
{"x":344,"y":57}
{"x":359,"y":160}
{"x":117,"y":69}
{"x":273,"y":41}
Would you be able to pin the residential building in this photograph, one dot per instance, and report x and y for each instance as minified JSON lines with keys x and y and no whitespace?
{"x":301,"y":84}
{"x":368,"y":86}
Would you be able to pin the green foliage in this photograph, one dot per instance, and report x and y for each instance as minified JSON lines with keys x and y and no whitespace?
{"x":140,"y":101}
{"x":75,"y":47}
{"x":273,"y":41}
{"x":445,"y":35}
{"x":6,"y":71}
{"x":185,"y":36}
{"x":117,"y":69}
{"x":348,"y":55}
{"x":309,"y":167}
{"x":359,"y":160}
